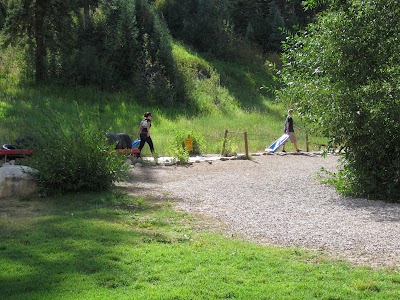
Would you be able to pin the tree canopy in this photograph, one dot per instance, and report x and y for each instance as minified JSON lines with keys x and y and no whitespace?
{"x":110,"y":44}
{"x":343,"y":75}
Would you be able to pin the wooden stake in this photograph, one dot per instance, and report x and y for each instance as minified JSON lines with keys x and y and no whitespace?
{"x":307,"y":148}
{"x":224,"y":142}
{"x":246,"y":145}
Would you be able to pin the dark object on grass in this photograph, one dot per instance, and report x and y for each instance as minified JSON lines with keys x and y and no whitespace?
{"x":114,"y":139}
{"x":125,"y":141}
{"x":121,"y":140}
{"x":24,"y":142}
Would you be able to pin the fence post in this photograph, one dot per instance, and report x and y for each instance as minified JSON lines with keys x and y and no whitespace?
{"x":246,"y":145}
{"x":224,"y":142}
{"x":307,"y":148}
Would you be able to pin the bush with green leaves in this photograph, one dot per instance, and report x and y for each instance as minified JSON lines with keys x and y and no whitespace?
{"x":73,"y":155}
{"x":229,"y":147}
{"x":197,"y":138}
{"x":342,"y":74}
{"x":177,"y":147}
{"x":178,"y":153}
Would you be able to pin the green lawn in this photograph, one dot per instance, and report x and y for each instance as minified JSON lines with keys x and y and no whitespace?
{"x":112,"y":246}
{"x":20,"y":114}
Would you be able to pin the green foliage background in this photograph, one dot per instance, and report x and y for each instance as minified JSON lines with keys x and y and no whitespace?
{"x":195,"y":61}
{"x":342,"y":74}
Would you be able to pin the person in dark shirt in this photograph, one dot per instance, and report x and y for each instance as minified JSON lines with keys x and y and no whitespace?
{"x":289,"y":129}
{"x":144,"y":132}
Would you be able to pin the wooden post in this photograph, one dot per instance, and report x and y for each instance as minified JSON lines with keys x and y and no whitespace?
{"x":246,"y":145}
{"x":307,"y":148}
{"x":224,"y":142}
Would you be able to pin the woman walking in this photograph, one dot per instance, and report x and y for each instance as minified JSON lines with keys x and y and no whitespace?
{"x":289,"y":129}
{"x":145,"y":131}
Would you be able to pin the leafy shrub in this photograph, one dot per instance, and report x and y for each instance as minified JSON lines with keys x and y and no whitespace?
{"x":340,"y":79}
{"x":179,"y":153}
{"x":198,"y":140}
{"x":229,"y":147}
{"x":72,"y":155}
{"x":177,"y":148}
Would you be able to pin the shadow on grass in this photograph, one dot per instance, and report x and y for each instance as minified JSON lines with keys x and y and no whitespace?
{"x":72,"y":240}
{"x":250,"y":85}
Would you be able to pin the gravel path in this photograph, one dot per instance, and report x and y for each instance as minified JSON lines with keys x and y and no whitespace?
{"x":277,"y":200}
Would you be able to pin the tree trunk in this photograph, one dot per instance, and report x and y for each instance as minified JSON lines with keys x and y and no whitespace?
{"x":40,"y":59}
{"x":86,"y":13}
{"x":40,"y":40}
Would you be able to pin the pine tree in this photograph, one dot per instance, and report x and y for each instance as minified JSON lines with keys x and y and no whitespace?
{"x":3,"y":12}
{"x":44,"y":24}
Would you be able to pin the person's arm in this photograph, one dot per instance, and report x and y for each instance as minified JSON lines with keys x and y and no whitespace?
{"x":140,"y":129}
{"x":148,"y":128}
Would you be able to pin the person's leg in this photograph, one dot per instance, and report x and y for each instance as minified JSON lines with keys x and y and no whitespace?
{"x":150,"y":142}
{"x":293,"y":138}
{"x":142,"y":141}
{"x":297,"y":148}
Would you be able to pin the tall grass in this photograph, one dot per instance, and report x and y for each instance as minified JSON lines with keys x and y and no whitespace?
{"x":119,"y":114}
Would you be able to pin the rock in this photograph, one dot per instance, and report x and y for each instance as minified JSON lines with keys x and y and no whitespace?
{"x":9,"y":163}
{"x":133,"y":159}
{"x":16,"y":181}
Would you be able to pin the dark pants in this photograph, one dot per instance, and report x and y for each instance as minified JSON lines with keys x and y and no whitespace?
{"x":143,"y":139}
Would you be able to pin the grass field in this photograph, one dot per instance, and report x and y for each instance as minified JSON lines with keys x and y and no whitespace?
{"x":111,"y":246}
{"x":233,"y":97}
{"x":117,"y":114}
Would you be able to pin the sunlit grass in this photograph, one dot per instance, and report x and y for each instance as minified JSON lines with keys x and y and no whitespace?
{"x":223,"y":96}
{"x":123,"y":115}
{"x":111,"y":246}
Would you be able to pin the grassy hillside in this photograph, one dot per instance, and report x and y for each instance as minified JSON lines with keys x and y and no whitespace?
{"x":236,"y":97}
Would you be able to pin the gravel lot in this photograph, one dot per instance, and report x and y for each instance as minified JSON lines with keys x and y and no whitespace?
{"x":276,"y":200}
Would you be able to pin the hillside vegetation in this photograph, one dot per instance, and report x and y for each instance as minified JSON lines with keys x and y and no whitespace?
{"x":200,"y":66}
{"x":222,"y":96}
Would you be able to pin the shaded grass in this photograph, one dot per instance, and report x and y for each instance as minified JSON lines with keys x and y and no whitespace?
{"x":111,"y":246}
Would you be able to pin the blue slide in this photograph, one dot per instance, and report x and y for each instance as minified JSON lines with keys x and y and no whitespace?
{"x":278,"y":143}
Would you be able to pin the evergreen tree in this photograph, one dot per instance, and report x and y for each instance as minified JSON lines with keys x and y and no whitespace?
{"x":205,"y":24}
{"x":277,"y":27}
{"x":88,"y":7}
{"x":43,"y":24}
{"x":3,"y":12}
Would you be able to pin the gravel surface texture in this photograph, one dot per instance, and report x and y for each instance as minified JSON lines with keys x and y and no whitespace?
{"x":276,"y":200}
